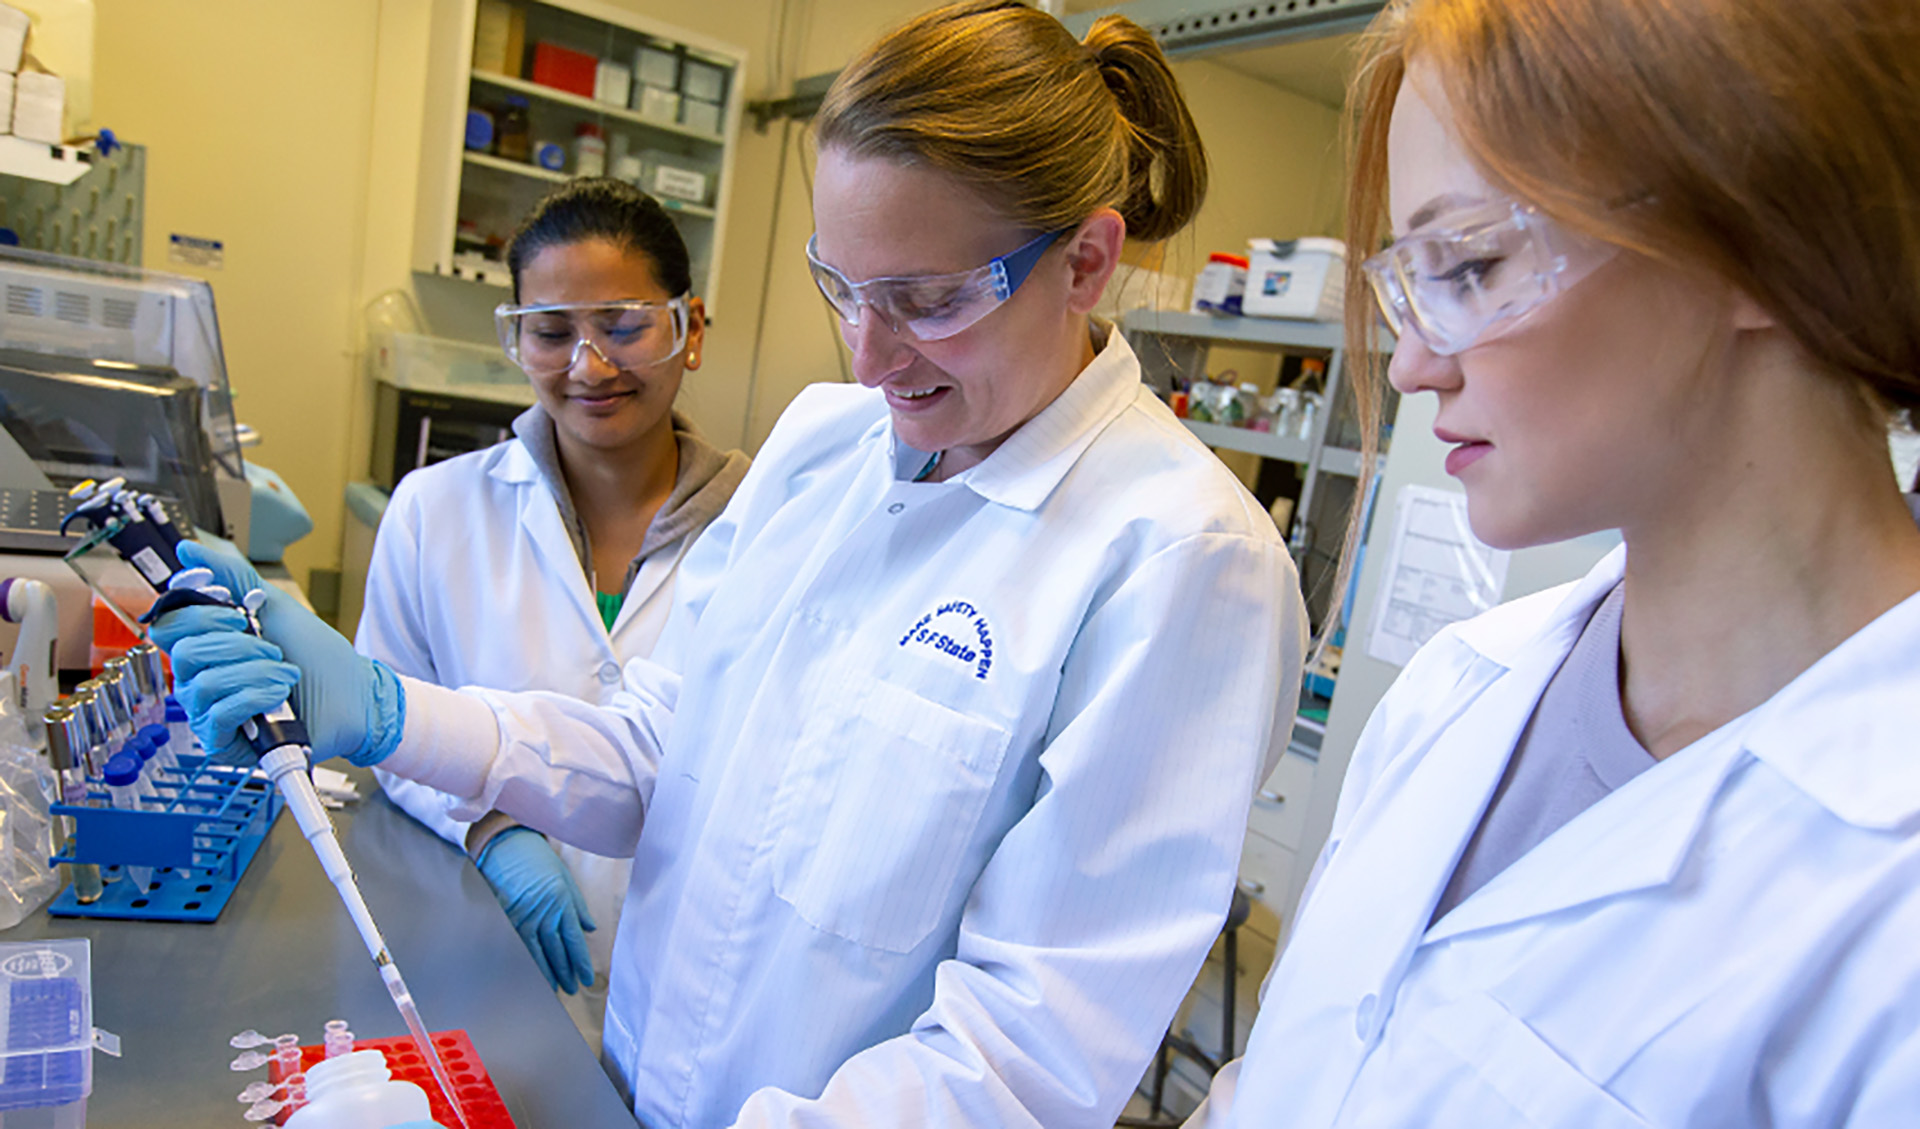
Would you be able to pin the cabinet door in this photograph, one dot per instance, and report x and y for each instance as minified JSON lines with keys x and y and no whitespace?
{"x":1280,"y":810}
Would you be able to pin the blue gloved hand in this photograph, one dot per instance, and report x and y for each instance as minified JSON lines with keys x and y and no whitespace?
{"x":539,"y":895}
{"x":353,"y":706}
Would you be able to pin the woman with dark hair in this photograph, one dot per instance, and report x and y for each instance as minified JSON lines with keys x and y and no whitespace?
{"x":937,"y":783}
{"x":1642,"y":850}
{"x":574,"y":530}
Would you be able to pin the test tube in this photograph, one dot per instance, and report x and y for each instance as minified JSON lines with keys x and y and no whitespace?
{"x":67,"y":742}
{"x":339,"y":1040}
{"x":177,"y":728}
{"x":286,"y":1049}
{"x":163,"y":751}
{"x":123,"y":785}
{"x":142,"y":746}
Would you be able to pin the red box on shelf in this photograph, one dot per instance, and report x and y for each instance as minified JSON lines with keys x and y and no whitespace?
{"x":478,"y":1098}
{"x":564,"y":69}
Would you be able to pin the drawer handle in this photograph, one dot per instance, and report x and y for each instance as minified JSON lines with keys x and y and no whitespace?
{"x":1252,"y":887}
{"x":1272,"y":796}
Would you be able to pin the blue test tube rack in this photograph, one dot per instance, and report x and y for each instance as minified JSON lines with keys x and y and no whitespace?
{"x":199,"y":835}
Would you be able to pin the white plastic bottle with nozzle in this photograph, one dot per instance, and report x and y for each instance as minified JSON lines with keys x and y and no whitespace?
{"x":356,"y":1091}
{"x":30,"y":604}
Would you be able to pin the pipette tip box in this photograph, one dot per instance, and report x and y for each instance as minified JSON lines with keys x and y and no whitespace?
{"x":478,"y":1098}
{"x":46,"y":1020}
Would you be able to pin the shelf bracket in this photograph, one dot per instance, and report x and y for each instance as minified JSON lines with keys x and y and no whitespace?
{"x":800,"y":106}
{"x":1187,"y":28}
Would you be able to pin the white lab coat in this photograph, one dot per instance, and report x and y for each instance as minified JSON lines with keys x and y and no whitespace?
{"x":1730,"y":939}
{"x":475,"y":582}
{"x":945,"y":812}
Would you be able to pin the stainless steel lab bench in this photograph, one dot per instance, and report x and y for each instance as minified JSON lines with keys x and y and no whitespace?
{"x":284,"y":957}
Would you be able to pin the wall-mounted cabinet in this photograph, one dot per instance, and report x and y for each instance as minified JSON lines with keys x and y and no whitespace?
{"x":523,"y":96}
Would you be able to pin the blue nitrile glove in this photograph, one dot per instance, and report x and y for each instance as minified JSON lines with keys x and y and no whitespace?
{"x":539,"y":895}
{"x":352,"y":706}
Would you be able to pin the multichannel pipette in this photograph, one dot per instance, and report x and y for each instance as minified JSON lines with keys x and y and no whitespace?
{"x":137,"y":528}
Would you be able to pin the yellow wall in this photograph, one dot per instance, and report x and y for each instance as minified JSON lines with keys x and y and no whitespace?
{"x":291,"y":131}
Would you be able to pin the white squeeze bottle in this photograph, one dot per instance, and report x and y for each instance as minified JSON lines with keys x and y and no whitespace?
{"x":356,"y":1091}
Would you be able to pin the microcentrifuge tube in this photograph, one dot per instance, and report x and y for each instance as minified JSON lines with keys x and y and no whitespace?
{"x":250,"y":1060}
{"x":247,"y":1040}
{"x":264,"y":1111}
{"x":259,"y":1091}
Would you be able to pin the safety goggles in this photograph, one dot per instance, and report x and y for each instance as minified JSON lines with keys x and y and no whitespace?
{"x":1486,"y":268}
{"x":545,"y":340}
{"x":931,"y":306}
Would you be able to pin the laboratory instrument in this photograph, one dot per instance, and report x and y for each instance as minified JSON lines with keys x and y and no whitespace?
{"x":144,"y":537}
{"x":30,"y":604}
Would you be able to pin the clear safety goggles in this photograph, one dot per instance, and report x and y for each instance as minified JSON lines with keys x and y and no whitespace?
{"x":1487,"y":268}
{"x":545,"y":340}
{"x":931,"y":306}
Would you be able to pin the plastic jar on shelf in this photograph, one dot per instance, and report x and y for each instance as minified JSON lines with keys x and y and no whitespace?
{"x":589,"y":150}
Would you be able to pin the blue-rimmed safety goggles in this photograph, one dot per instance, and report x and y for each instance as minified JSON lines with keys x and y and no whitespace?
{"x":931,"y":306}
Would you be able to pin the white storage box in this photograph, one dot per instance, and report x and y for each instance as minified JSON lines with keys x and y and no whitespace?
{"x":13,"y":36}
{"x":670,"y":176}
{"x":1301,"y":278}
{"x":703,"y":116}
{"x":655,"y":66}
{"x":657,"y":105}
{"x":38,"y":102}
{"x":613,"y":84}
{"x":704,"y":81}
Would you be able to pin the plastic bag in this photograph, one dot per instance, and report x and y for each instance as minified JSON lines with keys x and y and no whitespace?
{"x":27,"y":786}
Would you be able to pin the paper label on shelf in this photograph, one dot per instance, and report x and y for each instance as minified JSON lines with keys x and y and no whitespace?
{"x":1437,"y":573}
{"x":195,"y":251}
{"x":681,"y":184}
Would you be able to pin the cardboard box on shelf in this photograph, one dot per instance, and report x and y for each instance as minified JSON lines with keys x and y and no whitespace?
{"x":565,"y":69}
{"x":493,"y":27}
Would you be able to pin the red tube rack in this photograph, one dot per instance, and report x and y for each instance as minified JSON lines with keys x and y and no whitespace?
{"x":478,"y":1098}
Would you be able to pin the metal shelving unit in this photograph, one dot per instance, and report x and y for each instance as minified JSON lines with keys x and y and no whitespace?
{"x":1170,"y":343}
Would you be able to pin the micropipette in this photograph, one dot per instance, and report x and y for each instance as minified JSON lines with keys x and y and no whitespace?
{"x":278,"y":738}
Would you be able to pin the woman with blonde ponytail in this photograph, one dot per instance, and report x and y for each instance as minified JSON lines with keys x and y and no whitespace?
{"x":935,"y":784}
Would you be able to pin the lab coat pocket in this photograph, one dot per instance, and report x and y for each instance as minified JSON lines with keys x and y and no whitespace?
{"x":877,"y":811}
{"x":1518,"y":1069}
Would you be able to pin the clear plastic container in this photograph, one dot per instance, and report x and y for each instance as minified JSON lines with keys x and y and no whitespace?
{"x":357,"y":1091}
{"x":46,"y":1027}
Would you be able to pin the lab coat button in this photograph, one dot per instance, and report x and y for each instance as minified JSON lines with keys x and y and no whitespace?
{"x":609,"y":673}
{"x":896,"y":507}
{"x":1366,"y":1019}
